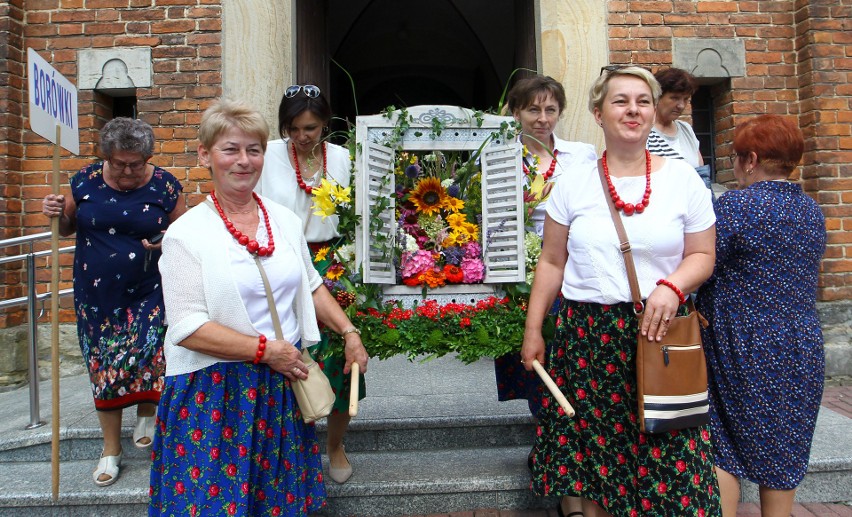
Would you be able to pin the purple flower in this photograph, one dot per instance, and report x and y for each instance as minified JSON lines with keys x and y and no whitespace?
{"x":412,"y":171}
{"x":454,"y":190}
{"x":453,"y":255}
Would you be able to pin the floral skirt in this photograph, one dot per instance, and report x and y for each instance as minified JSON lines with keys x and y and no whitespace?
{"x":231,"y":441}
{"x":331,"y":363}
{"x":123,"y":351}
{"x":600,"y":454}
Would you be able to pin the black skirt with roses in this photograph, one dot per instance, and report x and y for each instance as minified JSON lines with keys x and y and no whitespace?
{"x":600,"y":454}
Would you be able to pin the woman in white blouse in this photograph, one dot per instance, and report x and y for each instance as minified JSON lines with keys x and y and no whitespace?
{"x":600,"y":455}
{"x":230,"y":438}
{"x":295,"y":165}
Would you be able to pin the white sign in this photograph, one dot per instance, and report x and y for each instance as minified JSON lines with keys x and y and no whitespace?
{"x":53,"y":102}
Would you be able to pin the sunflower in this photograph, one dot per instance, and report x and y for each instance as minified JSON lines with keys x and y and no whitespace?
{"x":428,"y":196}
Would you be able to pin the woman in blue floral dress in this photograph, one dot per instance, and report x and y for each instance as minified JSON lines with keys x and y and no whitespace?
{"x":118,"y":205}
{"x":764,"y":346}
{"x":231,"y":439}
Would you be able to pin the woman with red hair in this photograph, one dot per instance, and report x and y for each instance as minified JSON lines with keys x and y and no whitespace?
{"x":764,"y":346}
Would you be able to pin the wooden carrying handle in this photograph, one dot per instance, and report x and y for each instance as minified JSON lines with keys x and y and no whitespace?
{"x":353,"y":392}
{"x":554,"y":389}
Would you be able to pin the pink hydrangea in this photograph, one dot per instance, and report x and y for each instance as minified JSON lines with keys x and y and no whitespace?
{"x":414,"y":263}
{"x":472,"y":249}
{"x":473,"y":269}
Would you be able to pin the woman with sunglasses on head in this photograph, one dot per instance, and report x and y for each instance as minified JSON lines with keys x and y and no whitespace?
{"x":600,"y":454}
{"x":117,"y":208}
{"x":764,"y":346}
{"x":294,"y":166}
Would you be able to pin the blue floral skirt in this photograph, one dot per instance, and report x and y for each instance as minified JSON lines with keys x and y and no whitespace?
{"x":231,"y":441}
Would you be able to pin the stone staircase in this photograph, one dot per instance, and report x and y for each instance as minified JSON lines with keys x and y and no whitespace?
{"x":430,"y":438}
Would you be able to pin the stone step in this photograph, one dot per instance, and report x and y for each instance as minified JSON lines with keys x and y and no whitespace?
{"x":363,"y":436}
{"x":384,"y":483}
{"x":431,"y":438}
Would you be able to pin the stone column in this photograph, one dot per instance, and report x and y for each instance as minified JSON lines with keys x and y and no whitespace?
{"x":258,"y":53}
{"x":574,"y":46}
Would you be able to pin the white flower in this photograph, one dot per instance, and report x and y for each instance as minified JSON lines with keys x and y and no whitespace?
{"x":112,"y":231}
{"x":532,"y":249}
{"x":447,"y":183}
{"x":411,"y":244}
{"x":132,"y":255}
{"x":345,"y":254}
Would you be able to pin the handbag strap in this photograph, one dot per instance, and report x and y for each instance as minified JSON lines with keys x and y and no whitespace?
{"x":624,"y":244}
{"x":273,"y":312}
{"x":276,"y":323}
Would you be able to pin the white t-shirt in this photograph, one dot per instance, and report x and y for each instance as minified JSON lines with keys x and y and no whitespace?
{"x":568,"y":153}
{"x":278,"y":183}
{"x":595,"y":270}
{"x":284,"y":280}
{"x":683,"y":146}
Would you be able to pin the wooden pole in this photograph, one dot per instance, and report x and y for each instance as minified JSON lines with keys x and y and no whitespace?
{"x":353,"y":392}
{"x":54,"y":322}
{"x":554,"y":389}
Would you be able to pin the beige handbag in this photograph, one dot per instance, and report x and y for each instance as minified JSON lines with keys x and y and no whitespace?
{"x":314,"y":394}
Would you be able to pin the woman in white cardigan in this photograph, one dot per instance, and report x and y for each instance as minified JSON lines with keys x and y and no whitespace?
{"x":230,"y":438}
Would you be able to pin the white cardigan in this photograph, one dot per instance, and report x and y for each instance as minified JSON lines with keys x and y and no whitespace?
{"x":198,"y":283}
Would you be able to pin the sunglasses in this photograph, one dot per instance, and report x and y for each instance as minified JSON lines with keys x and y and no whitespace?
{"x":311,"y":91}
{"x":616,"y":68}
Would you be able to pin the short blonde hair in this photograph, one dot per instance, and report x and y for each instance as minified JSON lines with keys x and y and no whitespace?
{"x":225,"y":114}
{"x":598,"y":91}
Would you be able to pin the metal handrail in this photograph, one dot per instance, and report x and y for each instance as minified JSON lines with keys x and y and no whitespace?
{"x":31,"y":300}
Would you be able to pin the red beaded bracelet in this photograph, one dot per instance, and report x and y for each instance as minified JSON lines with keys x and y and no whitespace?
{"x":680,"y":296}
{"x":261,"y":347}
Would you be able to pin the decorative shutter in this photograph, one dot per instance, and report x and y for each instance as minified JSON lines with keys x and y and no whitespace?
{"x":376,"y":182}
{"x":503,"y":214}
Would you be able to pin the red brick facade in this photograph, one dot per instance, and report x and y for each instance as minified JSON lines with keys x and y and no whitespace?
{"x":797,"y":63}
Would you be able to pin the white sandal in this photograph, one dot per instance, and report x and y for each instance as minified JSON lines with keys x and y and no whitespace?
{"x":145,"y":427}
{"x":107,"y":465}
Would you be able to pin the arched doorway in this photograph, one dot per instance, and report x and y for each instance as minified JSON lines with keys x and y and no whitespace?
{"x":459,"y":52}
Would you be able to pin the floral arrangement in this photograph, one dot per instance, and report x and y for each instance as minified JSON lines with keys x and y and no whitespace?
{"x":438,"y":243}
{"x":489,"y":328}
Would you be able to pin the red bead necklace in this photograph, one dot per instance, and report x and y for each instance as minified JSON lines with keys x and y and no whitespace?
{"x":630,"y":208}
{"x":549,"y":173}
{"x":251,"y":245}
{"x":302,"y":185}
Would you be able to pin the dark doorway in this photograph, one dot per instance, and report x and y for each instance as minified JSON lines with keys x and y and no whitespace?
{"x":703,"y":123}
{"x":407,"y":53}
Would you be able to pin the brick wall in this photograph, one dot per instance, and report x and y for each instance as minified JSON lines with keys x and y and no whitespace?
{"x":797,"y":64}
{"x":184,"y":36}
{"x":12,"y":59}
{"x":824,"y":46}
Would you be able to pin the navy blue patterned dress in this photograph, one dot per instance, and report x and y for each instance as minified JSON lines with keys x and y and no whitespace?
{"x":764,"y":344}
{"x":117,"y":288}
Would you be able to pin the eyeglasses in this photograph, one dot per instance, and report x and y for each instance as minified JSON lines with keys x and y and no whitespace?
{"x":120,"y":166}
{"x":616,"y":68}
{"x":734,"y":156}
{"x":311,"y":91}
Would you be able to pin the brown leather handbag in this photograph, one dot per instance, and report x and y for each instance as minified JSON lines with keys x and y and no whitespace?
{"x":671,"y":375}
